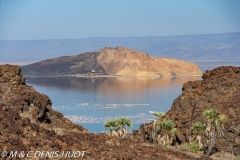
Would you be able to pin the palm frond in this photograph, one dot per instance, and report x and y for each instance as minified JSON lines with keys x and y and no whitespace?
{"x":198,"y":128}
{"x":110,"y":124}
{"x":165,"y":125}
{"x":124,"y":122}
{"x":211,"y":113}
{"x":158,"y":114}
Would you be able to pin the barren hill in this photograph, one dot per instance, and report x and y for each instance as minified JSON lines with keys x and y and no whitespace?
{"x":112,"y":61}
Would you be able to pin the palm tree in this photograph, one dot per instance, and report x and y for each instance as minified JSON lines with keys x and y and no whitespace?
{"x":214,"y":123}
{"x":199,"y":129}
{"x":167,"y":126}
{"x":124,"y":124}
{"x":110,"y":125}
{"x":158,"y":114}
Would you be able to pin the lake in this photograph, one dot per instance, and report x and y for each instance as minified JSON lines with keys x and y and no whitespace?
{"x":91,"y":101}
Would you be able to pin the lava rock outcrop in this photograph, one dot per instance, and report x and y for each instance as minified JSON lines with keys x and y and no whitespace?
{"x":219,"y":89}
{"x":28,"y":123}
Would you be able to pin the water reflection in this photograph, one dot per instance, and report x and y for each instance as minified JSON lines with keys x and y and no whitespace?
{"x":94,"y":100}
{"x":108,"y":84}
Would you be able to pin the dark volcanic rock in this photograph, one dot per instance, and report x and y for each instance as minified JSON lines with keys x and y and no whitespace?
{"x":11,"y":74}
{"x":28,"y":123}
{"x":28,"y":102}
{"x":219,"y":89}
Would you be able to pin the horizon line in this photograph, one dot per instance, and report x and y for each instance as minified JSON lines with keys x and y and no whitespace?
{"x":125,"y":37}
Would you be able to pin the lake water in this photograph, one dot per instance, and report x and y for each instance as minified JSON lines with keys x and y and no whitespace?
{"x":209,"y":65}
{"x":92,"y":101}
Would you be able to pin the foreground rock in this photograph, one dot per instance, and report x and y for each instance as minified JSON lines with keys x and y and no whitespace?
{"x":112,"y":61}
{"x":29,"y":124}
{"x":27,"y":102}
{"x":219,"y":89}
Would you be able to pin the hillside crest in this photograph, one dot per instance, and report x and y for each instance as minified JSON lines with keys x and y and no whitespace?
{"x":117,"y":61}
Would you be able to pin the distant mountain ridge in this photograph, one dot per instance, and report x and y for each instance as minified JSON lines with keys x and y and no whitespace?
{"x":117,"y":61}
{"x":212,"y":47}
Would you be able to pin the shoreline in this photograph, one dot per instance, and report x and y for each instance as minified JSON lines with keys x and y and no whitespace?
{"x":115,"y":76}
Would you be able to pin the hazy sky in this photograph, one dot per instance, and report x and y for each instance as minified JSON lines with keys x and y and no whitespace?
{"x":76,"y":19}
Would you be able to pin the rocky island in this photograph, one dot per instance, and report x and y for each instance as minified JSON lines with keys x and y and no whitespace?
{"x":117,"y":61}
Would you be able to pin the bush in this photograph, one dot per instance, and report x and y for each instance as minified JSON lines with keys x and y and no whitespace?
{"x":192,"y":146}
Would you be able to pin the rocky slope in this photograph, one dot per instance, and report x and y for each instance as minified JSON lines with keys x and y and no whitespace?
{"x":219,"y":89}
{"x":28,"y":123}
{"x":28,"y":102}
{"x":112,"y":61}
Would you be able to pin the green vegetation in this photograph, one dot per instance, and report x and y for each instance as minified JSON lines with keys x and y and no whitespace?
{"x":119,"y":127}
{"x":168,"y":128}
{"x":158,"y":114}
{"x":191,"y":146}
{"x":124,"y":124}
{"x":199,"y":129}
{"x":110,"y":126}
{"x":214,"y":124}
